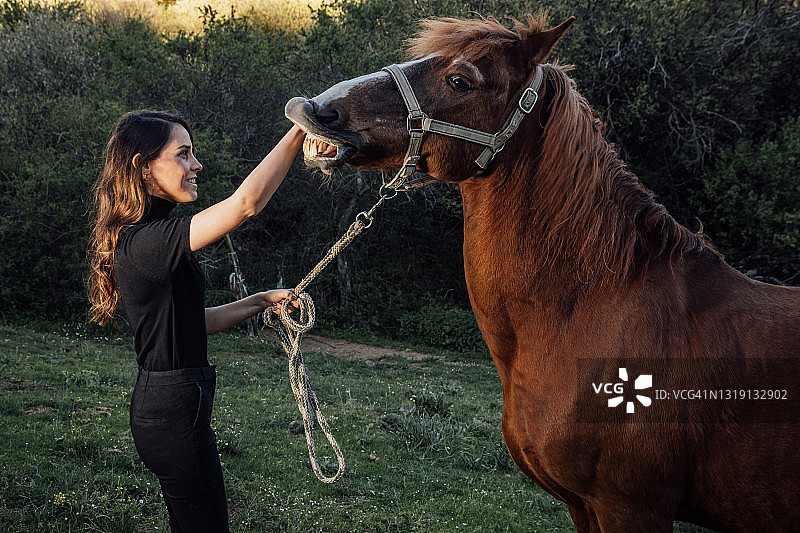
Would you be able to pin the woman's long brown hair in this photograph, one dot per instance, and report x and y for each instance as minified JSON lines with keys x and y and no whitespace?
{"x":120,"y":198}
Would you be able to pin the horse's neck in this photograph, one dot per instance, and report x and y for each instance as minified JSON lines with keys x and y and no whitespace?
{"x":514,"y":247}
{"x":526,"y":290}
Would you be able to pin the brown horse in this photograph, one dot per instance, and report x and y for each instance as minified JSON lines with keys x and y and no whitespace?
{"x":579,"y":279}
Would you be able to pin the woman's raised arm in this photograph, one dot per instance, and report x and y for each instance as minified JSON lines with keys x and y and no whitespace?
{"x":251,"y":196}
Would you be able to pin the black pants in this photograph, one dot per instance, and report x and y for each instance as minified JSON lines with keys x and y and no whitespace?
{"x":171,"y":426}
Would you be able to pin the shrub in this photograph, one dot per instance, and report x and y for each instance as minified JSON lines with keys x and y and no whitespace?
{"x":753,"y":205}
{"x":442,"y":326}
{"x":675,"y":82}
{"x":48,"y":148}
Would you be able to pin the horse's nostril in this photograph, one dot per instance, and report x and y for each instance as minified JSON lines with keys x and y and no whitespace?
{"x":330,"y":114}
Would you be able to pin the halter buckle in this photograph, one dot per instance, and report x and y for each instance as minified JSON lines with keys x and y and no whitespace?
{"x":410,"y":123}
{"x":528,"y":100}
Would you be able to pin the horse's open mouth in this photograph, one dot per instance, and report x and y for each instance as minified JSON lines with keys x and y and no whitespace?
{"x":323,"y":148}
{"x":325,"y":154}
{"x":315,"y":148}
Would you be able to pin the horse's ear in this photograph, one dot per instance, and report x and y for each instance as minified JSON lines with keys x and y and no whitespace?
{"x":537,"y":47}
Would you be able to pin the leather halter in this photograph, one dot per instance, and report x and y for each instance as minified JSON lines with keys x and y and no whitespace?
{"x":418,"y":123}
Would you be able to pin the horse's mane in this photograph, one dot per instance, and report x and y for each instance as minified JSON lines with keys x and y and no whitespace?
{"x":616,"y":223}
{"x":590,"y":209}
{"x":470,"y":39}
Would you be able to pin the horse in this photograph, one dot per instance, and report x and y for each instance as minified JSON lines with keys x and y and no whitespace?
{"x":580,"y":280}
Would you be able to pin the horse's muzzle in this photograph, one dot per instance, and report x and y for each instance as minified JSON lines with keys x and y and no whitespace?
{"x":306,"y":114}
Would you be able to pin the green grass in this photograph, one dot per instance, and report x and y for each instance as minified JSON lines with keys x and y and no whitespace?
{"x":421,"y":439}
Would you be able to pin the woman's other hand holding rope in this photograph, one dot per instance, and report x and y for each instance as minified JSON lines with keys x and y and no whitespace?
{"x":273,"y":300}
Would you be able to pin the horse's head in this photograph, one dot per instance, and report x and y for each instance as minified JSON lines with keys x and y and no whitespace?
{"x":470,"y":73}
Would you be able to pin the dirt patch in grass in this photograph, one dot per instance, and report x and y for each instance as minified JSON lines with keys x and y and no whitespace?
{"x":39,"y":410}
{"x":355,"y":350}
{"x":12,"y":383}
{"x":103,"y":411}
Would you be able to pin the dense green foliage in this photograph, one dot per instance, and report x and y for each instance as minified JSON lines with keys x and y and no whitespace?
{"x":756,"y":218}
{"x":701,"y":97}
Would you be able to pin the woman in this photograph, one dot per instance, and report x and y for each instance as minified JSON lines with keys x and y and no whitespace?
{"x":144,"y":258}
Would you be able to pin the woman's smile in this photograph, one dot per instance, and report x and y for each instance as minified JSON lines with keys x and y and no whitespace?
{"x":173,"y":174}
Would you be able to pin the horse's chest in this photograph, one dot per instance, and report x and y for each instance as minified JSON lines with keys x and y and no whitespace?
{"x":539,"y":430}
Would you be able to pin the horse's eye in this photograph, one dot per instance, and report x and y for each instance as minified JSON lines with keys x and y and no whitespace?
{"x":459,"y":82}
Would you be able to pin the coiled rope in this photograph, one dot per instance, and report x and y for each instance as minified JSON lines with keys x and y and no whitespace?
{"x":290,"y":332}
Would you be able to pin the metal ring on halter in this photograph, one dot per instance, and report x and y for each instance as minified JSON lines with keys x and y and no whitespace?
{"x":387,"y":195}
{"x":366,"y":217}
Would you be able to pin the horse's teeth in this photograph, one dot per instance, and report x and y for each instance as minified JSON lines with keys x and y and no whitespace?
{"x":315,"y":147}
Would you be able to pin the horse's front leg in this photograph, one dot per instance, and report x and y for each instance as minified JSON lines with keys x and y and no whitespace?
{"x":583,"y":519}
{"x":619,"y":518}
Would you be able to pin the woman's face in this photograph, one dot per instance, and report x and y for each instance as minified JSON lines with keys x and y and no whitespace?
{"x":172,"y":175}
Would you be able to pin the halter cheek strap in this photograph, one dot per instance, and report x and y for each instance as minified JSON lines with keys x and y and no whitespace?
{"x":418,"y":123}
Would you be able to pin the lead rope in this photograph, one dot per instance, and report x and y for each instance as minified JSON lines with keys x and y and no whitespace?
{"x":290,"y":333}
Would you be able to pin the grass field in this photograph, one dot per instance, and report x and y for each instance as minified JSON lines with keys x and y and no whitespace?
{"x":421,"y":438}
